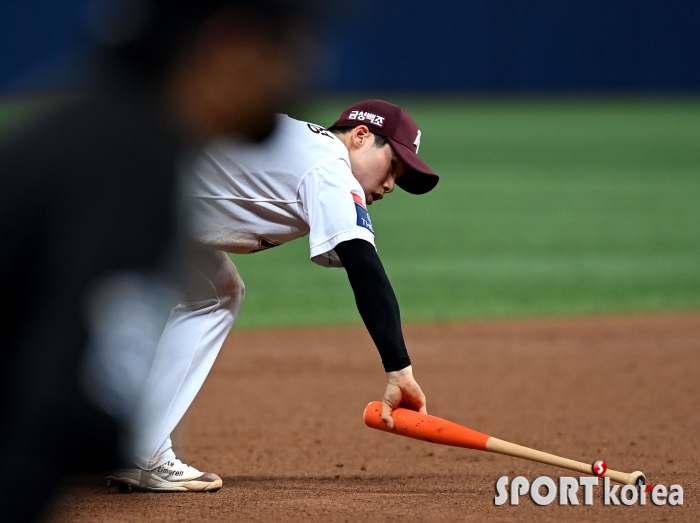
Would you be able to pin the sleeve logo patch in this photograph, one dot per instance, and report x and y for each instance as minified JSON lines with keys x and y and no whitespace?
{"x":362,"y":214}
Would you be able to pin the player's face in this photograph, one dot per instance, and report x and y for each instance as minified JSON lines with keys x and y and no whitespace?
{"x":376,"y":168}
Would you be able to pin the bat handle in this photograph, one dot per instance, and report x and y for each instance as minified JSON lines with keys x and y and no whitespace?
{"x":511,"y":449}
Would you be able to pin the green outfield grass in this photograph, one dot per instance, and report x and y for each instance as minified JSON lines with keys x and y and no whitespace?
{"x":545,"y":207}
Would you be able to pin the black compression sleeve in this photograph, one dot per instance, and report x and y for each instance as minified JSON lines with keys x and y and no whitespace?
{"x":375,"y":300}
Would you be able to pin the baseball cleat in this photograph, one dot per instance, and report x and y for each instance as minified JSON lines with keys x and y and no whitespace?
{"x":172,"y":476}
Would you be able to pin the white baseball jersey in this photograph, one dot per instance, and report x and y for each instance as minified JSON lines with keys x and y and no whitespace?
{"x":252,"y":197}
{"x":244,"y":198}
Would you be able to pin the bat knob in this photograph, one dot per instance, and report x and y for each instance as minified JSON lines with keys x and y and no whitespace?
{"x":637,"y":478}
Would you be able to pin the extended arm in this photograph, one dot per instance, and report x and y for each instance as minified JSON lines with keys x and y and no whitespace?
{"x":379,"y":310}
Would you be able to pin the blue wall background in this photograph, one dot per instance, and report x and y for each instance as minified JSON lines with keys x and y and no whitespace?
{"x":474,"y":45}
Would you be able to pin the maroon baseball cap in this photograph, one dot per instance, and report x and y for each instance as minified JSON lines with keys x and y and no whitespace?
{"x":401,"y":131}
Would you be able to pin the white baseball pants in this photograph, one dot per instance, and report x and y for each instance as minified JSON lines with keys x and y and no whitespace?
{"x":209,"y":302}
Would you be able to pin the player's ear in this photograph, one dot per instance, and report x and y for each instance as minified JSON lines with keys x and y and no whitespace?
{"x":360,"y":134}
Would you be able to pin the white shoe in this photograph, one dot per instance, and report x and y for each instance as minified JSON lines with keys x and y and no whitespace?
{"x":172,"y":476}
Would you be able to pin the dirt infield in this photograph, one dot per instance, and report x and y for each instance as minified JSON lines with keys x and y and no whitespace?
{"x":280,"y":420}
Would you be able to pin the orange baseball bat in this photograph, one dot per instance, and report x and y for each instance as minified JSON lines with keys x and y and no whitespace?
{"x":424,"y":427}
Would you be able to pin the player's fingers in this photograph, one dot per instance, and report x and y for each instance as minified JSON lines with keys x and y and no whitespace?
{"x":386,"y":414}
{"x":391,"y":400}
{"x":416,"y":398}
{"x":418,"y":404}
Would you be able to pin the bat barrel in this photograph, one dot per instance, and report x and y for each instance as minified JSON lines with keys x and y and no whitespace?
{"x":425,"y":427}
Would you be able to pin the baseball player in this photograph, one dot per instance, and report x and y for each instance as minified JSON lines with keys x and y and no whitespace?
{"x":305,"y":180}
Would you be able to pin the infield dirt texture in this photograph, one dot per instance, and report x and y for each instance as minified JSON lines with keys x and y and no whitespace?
{"x":547,"y":209}
{"x":280,"y":419}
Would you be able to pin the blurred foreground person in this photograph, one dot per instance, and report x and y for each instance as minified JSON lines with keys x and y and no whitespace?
{"x":89,"y":214}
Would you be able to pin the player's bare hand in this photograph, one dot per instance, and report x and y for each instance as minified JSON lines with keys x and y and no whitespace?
{"x":401,"y":391}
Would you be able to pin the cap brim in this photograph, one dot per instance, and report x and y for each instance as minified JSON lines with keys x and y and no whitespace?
{"x":418,"y":178}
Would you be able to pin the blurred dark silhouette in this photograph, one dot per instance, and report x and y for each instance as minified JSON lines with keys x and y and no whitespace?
{"x":89,"y":219}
